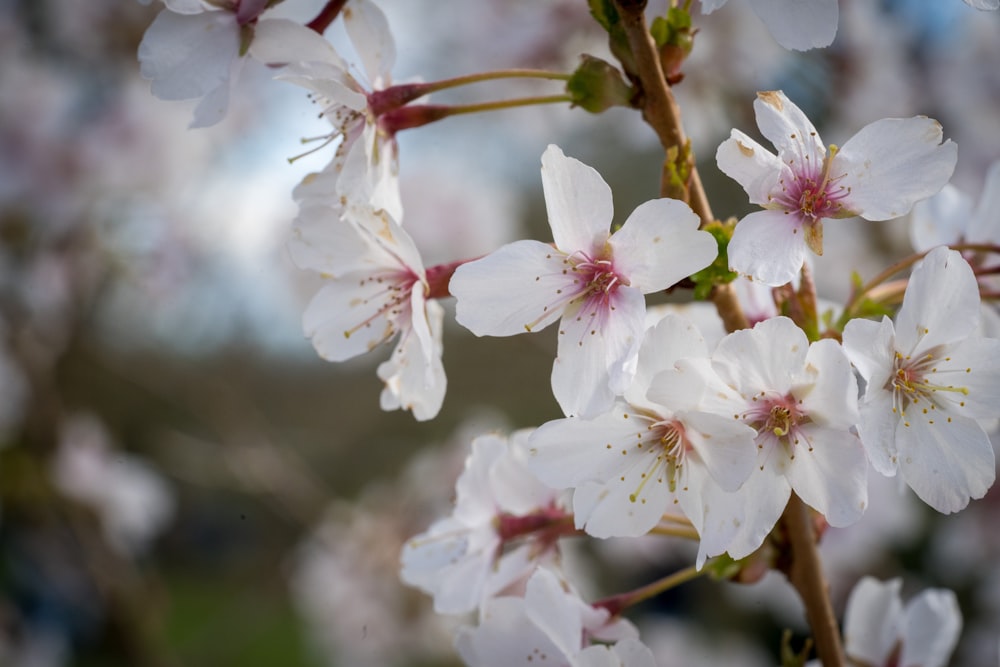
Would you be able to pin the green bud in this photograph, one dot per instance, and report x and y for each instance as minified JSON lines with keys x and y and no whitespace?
{"x":597,"y":86}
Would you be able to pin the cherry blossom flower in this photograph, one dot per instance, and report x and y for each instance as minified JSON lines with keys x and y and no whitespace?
{"x":365,"y":164}
{"x":802,"y":400}
{"x":880,"y":632}
{"x":593,"y":280}
{"x":467,"y":557}
{"x":795,"y":24}
{"x":550,"y":625}
{"x":376,"y":288}
{"x":949,"y":216}
{"x":878,"y":174}
{"x":631,"y":464}
{"x":929,"y":379}
{"x":194,"y":50}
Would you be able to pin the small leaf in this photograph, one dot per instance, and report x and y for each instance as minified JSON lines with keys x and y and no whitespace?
{"x":716,"y":273}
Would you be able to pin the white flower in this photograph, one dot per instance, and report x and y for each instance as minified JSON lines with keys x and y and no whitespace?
{"x":592,"y":279}
{"x":948,"y":217}
{"x":365,"y":164}
{"x":879,"y":632}
{"x":194,"y":49}
{"x":629,"y":465}
{"x":928,"y":380}
{"x":461,"y":559}
{"x":878,"y":174}
{"x":133,"y":501}
{"x":377,"y":288}
{"x":549,"y":626}
{"x":985,"y":5}
{"x":795,"y":24}
{"x":802,"y":401}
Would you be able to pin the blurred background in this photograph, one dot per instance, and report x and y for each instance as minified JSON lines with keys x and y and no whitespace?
{"x":184,"y":482}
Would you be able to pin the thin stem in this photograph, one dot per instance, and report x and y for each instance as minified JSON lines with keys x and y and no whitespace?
{"x":806,"y":574}
{"x":326,"y":16}
{"x":468,"y":79}
{"x":418,"y":115}
{"x":661,"y":112}
{"x":507,"y":104}
{"x":617,"y":603}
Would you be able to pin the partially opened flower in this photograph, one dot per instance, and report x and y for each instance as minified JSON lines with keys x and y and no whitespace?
{"x":929,"y":379}
{"x":365,"y":165}
{"x":474,"y":553}
{"x":550,"y":625}
{"x":194,"y":49}
{"x":880,"y":632}
{"x":591,"y":279}
{"x":376,"y":289}
{"x":878,"y":174}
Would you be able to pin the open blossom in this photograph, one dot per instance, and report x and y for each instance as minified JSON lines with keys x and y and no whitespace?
{"x":929,"y":379}
{"x":466,"y":557}
{"x":376,"y":289}
{"x":365,"y":163}
{"x":795,"y":24}
{"x":801,"y":398}
{"x":590,"y":278}
{"x":648,"y":453}
{"x":552,"y":626}
{"x":877,"y":174}
{"x":880,"y":632}
{"x":194,"y":49}
{"x":950,"y":217}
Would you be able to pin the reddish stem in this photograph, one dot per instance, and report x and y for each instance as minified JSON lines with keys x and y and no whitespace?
{"x":439,"y":276}
{"x":326,"y":16}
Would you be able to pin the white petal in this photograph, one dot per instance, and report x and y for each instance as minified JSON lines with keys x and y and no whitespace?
{"x":893,"y":163}
{"x":871,"y":348}
{"x":520,"y":287}
{"x":784,"y":124}
{"x":933,"y":624}
{"x":578,"y":202}
{"x":505,"y":637}
{"x":673,"y":338}
{"x":799,"y":24}
{"x":625,"y":506}
{"x":941,"y":303}
{"x":873,"y":620}
{"x":597,"y":352}
{"x":763,"y":358}
{"x":346,"y":318}
{"x":281,"y":41}
{"x":973,"y":367}
{"x":983,"y":227}
{"x":189,"y":55}
{"x":513,"y":486}
{"x":414,"y":375}
{"x":565,"y":453}
{"x":768,"y":246}
{"x":185,"y":6}
{"x":946,"y":463}
{"x":369,"y":32}
{"x":829,"y":471}
{"x":660,"y":244}
{"x":763,"y":496}
{"x":553,"y":611}
{"x":724,"y":446}
{"x":709,"y":6}
{"x":831,"y":396}
{"x":751,"y":165}
{"x":984,"y":5}
{"x":940,"y":220}
{"x":877,"y":429}
{"x":321,"y":241}
{"x":213,"y":106}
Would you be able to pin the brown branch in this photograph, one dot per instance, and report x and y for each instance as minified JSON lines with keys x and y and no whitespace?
{"x":661,"y":112}
{"x":806,"y":574}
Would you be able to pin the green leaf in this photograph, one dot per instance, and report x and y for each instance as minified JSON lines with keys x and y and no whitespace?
{"x":716,"y":273}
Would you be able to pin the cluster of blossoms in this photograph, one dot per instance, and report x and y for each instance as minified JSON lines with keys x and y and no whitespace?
{"x":662,"y":431}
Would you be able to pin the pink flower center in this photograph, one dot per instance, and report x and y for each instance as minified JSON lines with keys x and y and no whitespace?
{"x":392,"y":302}
{"x":777,"y":419}
{"x":812,"y":194}
{"x":912,"y":383}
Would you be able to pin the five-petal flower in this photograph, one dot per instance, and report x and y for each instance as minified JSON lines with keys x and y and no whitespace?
{"x":928,"y":380}
{"x":878,"y":174}
{"x":590,"y":278}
